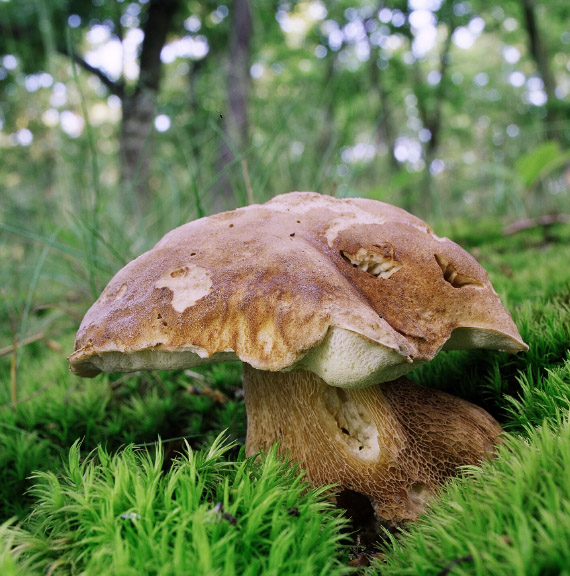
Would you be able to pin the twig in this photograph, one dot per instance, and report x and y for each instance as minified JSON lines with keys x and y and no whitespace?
{"x":64,"y":309}
{"x":119,"y":381}
{"x":450,"y":565}
{"x":26,"y":398}
{"x":14,"y":363}
{"x":528,"y":223}
{"x":195,"y":375}
{"x":205,"y":390}
{"x":115,"y":87}
{"x":14,"y":374}
{"x":10,"y":349}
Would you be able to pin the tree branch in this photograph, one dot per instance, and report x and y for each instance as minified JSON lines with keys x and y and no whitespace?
{"x":440,"y":91}
{"x":115,"y":87}
{"x":156,"y":28}
{"x":540,"y":222}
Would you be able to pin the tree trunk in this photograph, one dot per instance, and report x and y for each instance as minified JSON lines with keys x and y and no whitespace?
{"x":325,"y":134}
{"x":432,"y":120}
{"x":385,"y":133}
{"x":239,"y":77}
{"x":136,"y":129}
{"x":540,"y":55}
{"x":235,"y":117}
{"x":139,"y":106}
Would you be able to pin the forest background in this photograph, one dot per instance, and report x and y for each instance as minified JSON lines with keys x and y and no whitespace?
{"x":444,"y":108}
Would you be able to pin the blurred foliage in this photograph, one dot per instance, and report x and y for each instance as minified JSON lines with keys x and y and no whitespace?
{"x":336,"y":91}
{"x":344,"y":100}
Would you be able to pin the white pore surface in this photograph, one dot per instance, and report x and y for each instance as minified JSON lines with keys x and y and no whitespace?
{"x":155,"y":359}
{"x":344,"y":359}
{"x":348,"y":360}
{"x":469,"y":338}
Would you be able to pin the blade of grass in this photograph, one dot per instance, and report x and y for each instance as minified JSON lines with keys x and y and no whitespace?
{"x":47,"y":241}
{"x":200,"y":212}
{"x":91,"y":209}
{"x":28,"y":303}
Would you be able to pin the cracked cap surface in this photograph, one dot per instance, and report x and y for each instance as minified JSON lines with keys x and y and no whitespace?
{"x":357,"y":291}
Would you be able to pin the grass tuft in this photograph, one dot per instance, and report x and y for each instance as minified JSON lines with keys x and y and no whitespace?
{"x":12,"y":559}
{"x":541,"y":397}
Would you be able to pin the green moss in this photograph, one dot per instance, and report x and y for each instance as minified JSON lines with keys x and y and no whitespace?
{"x":510,"y":516}
{"x":541,"y":397}
{"x":123,"y":514}
{"x":75,"y":523}
{"x":55,"y":409}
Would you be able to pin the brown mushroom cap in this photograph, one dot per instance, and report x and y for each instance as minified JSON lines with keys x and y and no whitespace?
{"x":356,"y":291}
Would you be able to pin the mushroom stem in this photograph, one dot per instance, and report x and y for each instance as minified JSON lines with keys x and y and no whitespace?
{"x":394,"y":442}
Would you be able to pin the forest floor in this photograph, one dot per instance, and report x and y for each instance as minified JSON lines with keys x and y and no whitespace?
{"x":145,"y":473}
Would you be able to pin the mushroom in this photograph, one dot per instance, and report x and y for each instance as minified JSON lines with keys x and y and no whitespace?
{"x":328,"y":303}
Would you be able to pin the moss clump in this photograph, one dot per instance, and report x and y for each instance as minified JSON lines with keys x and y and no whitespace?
{"x":207,"y":514}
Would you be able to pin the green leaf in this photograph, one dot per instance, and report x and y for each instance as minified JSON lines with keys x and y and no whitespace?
{"x":541,"y":162}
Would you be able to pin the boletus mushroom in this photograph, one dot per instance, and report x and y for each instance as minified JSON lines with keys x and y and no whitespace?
{"x":328,"y":303}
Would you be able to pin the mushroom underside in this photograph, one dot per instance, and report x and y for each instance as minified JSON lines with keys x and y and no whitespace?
{"x":395,"y":442}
